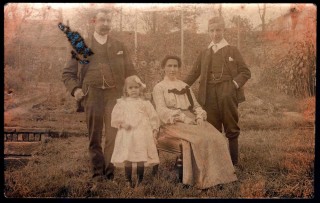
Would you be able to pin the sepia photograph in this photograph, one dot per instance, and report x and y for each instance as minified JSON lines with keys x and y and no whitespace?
{"x":159,"y":100}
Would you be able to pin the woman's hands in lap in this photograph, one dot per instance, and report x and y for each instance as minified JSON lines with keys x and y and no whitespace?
{"x":187,"y":120}
{"x":200,"y":121}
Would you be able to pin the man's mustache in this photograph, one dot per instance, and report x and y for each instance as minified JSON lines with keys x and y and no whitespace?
{"x":105,"y":28}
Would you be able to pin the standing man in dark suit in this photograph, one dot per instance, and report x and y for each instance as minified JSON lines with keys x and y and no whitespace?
{"x":222,"y":74}
{"x":98,"y":85}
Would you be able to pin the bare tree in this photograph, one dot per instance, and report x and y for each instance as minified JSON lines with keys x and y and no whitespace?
{"x":136,"y":34}
{"x":294,"y":14}
{"x":238,"y":32}
{"x":220,"y":10}
{"x":170,"y":19}
{"x":181,"y":30}
{"x":262,"y":13}
{"x":121,"y":19}
{"x":154,"y":21}
{"x":14,"y":16}
{"x":150,"y":21}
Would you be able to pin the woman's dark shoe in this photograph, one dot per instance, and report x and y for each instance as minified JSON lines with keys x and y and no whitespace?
{"x":179,"y":168}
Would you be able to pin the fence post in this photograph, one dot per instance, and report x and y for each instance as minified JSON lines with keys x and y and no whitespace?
{"x":182,"y":34}
{"x":136,"y":35}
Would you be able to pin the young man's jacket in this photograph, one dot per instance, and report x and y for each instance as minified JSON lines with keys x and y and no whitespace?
{"x":119,"y":62}
{"x":233,"y":63}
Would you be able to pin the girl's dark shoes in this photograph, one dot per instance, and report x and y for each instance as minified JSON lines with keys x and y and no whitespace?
{"x":129,"y":184}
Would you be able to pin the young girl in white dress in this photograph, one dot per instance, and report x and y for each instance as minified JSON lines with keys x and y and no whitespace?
{"x":138,"y":124}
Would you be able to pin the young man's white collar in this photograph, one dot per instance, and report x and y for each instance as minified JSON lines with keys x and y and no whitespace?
{"x":101,"y":39}
{"x":220,"y":45}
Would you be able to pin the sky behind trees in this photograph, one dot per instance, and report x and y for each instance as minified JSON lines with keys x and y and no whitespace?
{"x":250,"y":11}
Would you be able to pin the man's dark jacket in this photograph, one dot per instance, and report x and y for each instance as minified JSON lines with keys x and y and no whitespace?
{"x":119,"y":62}
{"x":233,"y":63}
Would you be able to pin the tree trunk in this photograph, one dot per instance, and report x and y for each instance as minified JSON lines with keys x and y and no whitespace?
{"x":121,"y":19}
{"x":154,"y":22}
{"x":238,"y":33}
{"x":136,"y":35}
{"x":19,"y":56}
{"x":262,"y":17}
{"x":220,"y":10}
{"x":182,"y":35}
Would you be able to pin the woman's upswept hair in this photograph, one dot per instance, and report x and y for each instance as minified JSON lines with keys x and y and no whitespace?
{"x":137,"y":80}
{"x":167,"y":57}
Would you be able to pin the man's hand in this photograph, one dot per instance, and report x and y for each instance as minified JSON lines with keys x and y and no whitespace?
{"x":125,"y":126}
{"x":78,"y":94}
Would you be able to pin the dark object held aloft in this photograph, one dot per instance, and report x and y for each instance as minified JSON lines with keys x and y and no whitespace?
{"x":77,"y":43}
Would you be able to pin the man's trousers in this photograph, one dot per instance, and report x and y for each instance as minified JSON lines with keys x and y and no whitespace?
{"x":98,"y":108}
{"x":222,"y":110}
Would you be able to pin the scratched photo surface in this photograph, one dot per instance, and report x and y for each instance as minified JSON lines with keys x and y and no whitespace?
{"x":46,"y":140}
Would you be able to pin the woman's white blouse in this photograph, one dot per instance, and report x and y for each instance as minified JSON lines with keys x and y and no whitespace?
{"x":169,"y":104}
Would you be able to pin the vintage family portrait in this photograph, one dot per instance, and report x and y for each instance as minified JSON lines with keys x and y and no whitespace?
{"x":159,"y":100}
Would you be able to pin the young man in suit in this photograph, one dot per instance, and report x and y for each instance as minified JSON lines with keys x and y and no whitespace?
{"x":222,"y":74}
{"x":98,"y":85}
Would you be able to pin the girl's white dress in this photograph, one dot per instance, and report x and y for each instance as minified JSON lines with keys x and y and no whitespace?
{"x":136,"y":144}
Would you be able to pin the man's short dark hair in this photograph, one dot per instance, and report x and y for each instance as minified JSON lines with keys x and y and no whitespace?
{"x":166,"y":58}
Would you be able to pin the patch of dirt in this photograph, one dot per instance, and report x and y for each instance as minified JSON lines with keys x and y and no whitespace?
{"x":51,"y":108}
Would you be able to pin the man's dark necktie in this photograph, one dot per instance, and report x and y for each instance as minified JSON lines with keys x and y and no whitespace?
{"x":185,"y":90}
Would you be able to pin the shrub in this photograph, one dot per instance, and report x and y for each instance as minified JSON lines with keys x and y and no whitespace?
{"x":14,"y":79}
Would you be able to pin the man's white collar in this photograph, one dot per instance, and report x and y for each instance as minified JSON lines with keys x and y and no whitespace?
{"x":220,"y":44}
{"x":102,"y":39}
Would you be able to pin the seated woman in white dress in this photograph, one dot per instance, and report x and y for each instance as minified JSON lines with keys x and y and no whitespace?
{"x":206,"y":157}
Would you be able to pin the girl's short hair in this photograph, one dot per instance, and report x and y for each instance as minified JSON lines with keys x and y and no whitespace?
{"x":166,"y":58}
{"x":136,"y":79}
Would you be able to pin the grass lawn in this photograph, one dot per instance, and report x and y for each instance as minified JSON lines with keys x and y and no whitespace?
{"x":277,"y":156}
{"x":273,"y":163}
